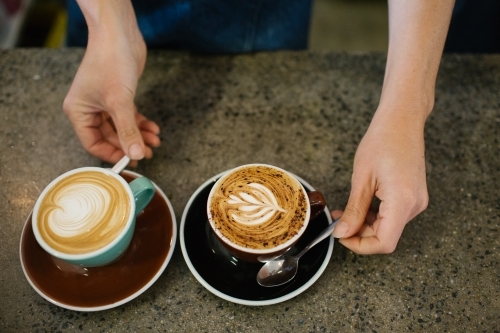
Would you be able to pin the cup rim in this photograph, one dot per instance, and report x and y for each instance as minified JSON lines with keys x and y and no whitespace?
{"x":95,"y":253}
{"x":278,"y":248}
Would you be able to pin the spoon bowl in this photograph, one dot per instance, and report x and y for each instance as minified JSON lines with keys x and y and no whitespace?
{"x":283,"y":268}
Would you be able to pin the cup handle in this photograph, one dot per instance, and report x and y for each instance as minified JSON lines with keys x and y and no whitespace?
{"x":317,"y":202}
{"x":143,"y":191}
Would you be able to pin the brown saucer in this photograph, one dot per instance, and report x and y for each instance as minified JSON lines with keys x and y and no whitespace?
{"x":99,"y":288}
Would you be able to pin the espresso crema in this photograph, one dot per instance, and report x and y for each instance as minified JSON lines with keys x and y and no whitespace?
{"x":83,"y":212}
{"x":258,"y":207}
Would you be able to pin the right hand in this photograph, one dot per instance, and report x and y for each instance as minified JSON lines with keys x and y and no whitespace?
{"x":100,"y":102}
{"x":390,"y":160}
{"x":389,"y":164}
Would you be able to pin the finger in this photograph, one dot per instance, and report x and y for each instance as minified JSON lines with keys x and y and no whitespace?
{"x":87,"y":129}
{"x":149,"y":130}
{"x":368,"y":229}
{"x":133,"y":164}
{"x":108,"y":147}
{"x":363,"y":245}
{"x":105,"y":151}
{"x":108,"y":130}
{"x":109,"y":134}
{"x":382,"y":236}
{"x":128,"y":132}
{"x":336,"y":213}
{"x":146,"y":124}
{"x":150,"y":139}
{"x":149,"y":153}
{"x":356,"y":210}
{"x":371,"y":216}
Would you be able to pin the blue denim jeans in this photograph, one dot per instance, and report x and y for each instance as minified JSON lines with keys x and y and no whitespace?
{"x":474,"y":27}
{"x":213,"y":26}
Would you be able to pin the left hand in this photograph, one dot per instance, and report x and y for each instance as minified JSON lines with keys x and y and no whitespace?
{"x":100,"y":103}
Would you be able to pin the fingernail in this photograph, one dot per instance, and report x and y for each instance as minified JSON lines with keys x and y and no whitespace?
{"x":340,"y":230}
{"x":135,"y":152}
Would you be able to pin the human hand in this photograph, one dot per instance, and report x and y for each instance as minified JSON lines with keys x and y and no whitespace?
{"x":100,"y":102}
{"x":389,"y":164}
{"x":390,"y":161}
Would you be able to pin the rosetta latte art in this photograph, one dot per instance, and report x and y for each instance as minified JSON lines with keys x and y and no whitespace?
{"x":83,"y":212}
{"x":258,"y":207}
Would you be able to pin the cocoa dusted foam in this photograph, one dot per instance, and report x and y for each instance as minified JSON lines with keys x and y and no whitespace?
{"x":83,"y":212}
{"x":258,"y":207}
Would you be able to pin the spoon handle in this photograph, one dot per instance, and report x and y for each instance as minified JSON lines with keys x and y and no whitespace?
{"x":324,"y":234}
{"x":118,"y":167}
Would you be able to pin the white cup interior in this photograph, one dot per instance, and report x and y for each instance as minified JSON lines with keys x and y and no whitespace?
{"x":68,"y":256}
{"x":280,"y":247}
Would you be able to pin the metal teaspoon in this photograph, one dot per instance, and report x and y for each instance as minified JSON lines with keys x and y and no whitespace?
{"x":282,"y":269}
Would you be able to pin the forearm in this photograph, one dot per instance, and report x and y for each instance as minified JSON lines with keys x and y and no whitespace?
{"x":113,"y":29}
{"x":417,"y":32}
{"x":107,"y":18}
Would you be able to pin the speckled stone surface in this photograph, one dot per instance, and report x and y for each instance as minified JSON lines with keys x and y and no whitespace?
{"x":305,"y":112}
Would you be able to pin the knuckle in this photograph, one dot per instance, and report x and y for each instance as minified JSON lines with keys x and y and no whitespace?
{"x":388,"y":248}
{"x":128,"y":133}
{"x":119,"y":103}
{"x":408,"y":196}
{"x":418,"y":200}
{"x":113,"y":103}
{"x":424,"y":202}
{"x":67,"y":105}
{"x":353,"y":210}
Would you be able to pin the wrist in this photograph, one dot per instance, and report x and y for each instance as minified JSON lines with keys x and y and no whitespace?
{"x":95,"y":11}
{"x":414,"y":94}
{"x":408,"y":91}
{"x":400,"y":117}
{"x":107,"y":17}
{"x":113,"y":27}
{"x":411,"y":103}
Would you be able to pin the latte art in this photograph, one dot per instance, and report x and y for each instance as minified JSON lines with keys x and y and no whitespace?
{"x":258,"y":207}
{"x":83,"y":212}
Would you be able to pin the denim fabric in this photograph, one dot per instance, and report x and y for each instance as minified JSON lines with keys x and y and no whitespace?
{"x":474,"y":27}
{"x":213,"y":26}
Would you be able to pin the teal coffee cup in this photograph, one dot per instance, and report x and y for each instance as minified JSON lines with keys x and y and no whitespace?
{"x":87,"y":216}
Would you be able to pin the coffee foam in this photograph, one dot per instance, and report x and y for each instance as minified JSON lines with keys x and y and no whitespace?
{"x":83,"y":212}
{"x":258,"y":207}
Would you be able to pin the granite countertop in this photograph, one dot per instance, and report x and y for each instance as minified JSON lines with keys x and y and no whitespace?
{"x":302,"y":111}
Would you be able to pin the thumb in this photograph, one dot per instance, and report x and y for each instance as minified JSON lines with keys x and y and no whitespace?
{"x":128,"y":133}
{"x":355,"y":212}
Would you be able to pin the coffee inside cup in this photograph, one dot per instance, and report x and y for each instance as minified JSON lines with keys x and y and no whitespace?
{"x":83,"y":212}
{"x":258,"y":207}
